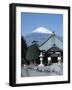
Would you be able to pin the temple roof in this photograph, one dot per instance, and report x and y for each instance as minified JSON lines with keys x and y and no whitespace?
{"x":50,"y":42}
{"x":54,"y":48}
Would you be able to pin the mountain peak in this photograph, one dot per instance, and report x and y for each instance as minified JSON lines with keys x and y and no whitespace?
{"x":42,"y":30}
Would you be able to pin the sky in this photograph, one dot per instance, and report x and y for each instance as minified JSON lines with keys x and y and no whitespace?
{"x":31,"y":21}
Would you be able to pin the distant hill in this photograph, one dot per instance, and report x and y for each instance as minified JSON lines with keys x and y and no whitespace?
{"x":40,"y":37}
{"x":40,"y":34}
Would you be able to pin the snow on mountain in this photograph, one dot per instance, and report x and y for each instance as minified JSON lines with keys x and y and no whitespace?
{"x":42,"y":30}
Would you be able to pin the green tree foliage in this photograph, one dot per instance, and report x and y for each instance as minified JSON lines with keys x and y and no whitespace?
{"x":32,"y":53}
{"x":23,"y":50}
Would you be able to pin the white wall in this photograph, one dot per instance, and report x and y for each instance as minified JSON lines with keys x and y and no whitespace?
{"x":4,"y":45}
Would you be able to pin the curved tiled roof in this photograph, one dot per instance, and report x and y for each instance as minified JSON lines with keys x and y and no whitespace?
{"x":53,"y":39}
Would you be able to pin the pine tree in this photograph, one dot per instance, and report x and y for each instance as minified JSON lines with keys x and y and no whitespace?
{"x":32,"y":53}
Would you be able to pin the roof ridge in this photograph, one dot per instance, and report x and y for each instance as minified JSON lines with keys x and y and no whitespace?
{"x":45,"y":41}
{"x":48,"y":39}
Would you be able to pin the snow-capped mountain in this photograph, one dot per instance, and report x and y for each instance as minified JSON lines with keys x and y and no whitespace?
{"x":40,"y":34}
{"x":42,"y":30}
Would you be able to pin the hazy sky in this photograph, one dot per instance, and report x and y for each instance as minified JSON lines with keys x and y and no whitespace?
{"x":31,"y":21}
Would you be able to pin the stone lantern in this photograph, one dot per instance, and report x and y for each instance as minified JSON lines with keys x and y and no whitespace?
{"x":59,"y":60}
{"x":41,"y":59}
{"x":49,"y":60}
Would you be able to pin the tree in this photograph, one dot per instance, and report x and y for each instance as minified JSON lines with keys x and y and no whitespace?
{"x":32,"y":53}
{"x":34,"y":42}
{"x":23,"y":49}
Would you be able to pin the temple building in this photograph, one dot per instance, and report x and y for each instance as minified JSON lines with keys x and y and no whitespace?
{"x":53,"y":48}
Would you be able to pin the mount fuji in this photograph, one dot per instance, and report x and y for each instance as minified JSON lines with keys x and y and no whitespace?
{"x":40,"y":35}
{"x":42,"y":30}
